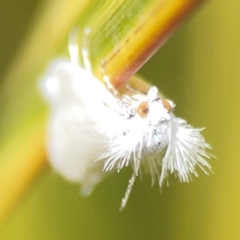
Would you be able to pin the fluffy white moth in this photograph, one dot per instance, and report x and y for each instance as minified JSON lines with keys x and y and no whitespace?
{"x":93,"y":129}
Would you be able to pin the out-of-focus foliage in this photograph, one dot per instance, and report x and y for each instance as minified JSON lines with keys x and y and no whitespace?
{"x":198,"y":69}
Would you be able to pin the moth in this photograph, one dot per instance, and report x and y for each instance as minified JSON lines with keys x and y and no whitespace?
{"x":94,"y":129}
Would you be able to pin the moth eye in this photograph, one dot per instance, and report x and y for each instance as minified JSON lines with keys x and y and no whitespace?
{"x":143,"y":109}
{"x":167,"y":105}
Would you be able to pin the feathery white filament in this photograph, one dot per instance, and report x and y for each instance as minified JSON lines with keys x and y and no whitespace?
{"x":185,"y":151}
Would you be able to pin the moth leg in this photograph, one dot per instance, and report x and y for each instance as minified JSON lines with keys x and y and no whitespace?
{"x":131,"y":88}
{"x":106,"y":80}
{"x":85,"y":50}
{"x":73,"y":46}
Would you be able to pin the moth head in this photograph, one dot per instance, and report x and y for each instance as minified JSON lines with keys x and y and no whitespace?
{"x":155,"y":109}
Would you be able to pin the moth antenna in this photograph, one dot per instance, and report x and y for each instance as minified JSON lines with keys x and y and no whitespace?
{"x":128,"y":191}
{"x":129,"y":187}
{"x":85,"y":50}
{"x":73,"y":46}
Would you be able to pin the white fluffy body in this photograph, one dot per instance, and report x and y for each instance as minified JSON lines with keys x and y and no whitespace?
{"x":92,"y":131}
{"x":77,"y":130}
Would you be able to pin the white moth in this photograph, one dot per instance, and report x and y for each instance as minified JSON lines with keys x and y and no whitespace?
{"x":93,"y":129}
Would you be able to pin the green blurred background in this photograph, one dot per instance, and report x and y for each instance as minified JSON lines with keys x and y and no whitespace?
{"x":198,"y":68}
